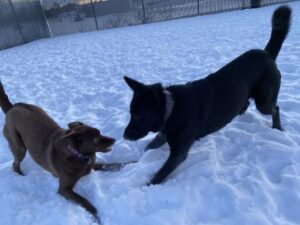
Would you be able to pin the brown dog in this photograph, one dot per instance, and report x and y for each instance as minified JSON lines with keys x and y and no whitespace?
{"x":67,"y":154}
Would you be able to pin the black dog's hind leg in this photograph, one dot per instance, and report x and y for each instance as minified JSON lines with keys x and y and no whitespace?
{"x":158,"y":141}
{"x":266,"y":109}
{"x":276,"y":118}
{"x":266,"y":94}
{"x":245,"y":107}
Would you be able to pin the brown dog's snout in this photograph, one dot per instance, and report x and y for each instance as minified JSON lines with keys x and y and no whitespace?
{"x":108,"y":140}
{"x":105,"y":143}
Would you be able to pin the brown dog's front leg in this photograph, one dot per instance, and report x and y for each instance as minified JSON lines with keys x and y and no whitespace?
{"x":110,"y":166}
{"x":65,"y":189}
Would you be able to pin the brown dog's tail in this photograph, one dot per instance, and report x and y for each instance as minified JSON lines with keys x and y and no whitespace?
{"x":4,"y":101}
{"x":281,"y":22}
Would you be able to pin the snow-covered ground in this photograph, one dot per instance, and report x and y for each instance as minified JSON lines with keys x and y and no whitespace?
{"x":246,"y":173}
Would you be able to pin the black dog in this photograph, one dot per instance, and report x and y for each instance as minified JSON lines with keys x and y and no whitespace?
{"x":184,"y":113}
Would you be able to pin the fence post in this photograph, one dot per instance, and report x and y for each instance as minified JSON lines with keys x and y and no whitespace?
{"x":46,"y":20}
{"x":198,"y":7}
{"x":94,"y":13}
{"x":17,"y":20}
{"x":255,"y":3}
{"x":144,"y":12}
{"x":170,"y":10}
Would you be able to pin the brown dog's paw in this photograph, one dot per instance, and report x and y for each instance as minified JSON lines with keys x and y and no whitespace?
{"x":110,"y":167}
{"x":17,"y":169}
{"x":96,"y":219}
{"x":91,"y":209}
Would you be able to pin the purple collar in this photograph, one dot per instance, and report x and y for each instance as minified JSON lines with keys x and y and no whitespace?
{"x":78,"y":155}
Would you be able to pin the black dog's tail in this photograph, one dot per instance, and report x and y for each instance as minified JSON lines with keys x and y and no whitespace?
{"x":4,"y":101}
{"x":280,"y":27}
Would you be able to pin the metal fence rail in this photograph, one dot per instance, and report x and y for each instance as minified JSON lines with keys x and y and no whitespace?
{"x":22,"y":21}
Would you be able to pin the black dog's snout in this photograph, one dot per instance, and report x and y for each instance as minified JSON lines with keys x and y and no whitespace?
{"x":126,"y":134}
{"x":129,"y":134}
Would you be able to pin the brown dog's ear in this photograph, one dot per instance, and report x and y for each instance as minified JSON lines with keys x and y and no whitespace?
{"x":133,"y":84}
{"x":74,"y":124}
{"x":69,"y":133}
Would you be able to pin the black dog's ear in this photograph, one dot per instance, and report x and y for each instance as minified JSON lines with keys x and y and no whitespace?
{"x":133,"y":84}
{"x":74,"y":124}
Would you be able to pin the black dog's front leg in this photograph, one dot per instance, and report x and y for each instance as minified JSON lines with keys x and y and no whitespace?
{"x":172,"y":162}
{"x":178,"y":153}
{"x":158,"y":141}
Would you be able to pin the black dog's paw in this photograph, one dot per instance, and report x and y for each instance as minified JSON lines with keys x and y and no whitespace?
{"x":277,"y":127}
{"x":276,"y":119}
{"x":150,"y":184}
{"x":155,"y":181}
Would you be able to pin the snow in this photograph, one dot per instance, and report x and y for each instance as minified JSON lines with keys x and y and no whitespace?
{"x":246,"y":173}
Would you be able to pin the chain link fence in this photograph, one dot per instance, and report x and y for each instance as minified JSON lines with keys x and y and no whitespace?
{"x":22,"y":21}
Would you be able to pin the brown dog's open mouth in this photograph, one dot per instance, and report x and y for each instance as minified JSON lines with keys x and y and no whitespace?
{"x":106,"y":149}
{"x":107,"y":144}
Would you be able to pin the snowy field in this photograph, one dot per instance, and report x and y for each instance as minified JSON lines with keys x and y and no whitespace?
{"x":246,"y":173}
